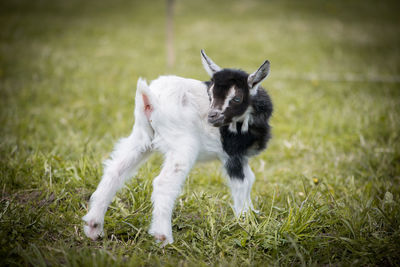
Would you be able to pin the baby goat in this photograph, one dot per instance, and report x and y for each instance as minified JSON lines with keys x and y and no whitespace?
{"x":189,"y":120}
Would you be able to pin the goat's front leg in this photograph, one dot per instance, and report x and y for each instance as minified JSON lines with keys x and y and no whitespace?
{"x":128,"y":154}
{"x":241,"y":179}
{"x":166,"y":188}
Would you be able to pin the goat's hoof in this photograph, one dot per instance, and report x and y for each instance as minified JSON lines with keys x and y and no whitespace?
{"x":93,"y":229}
{"x":244,"y":213}
{"x":162,"y":239}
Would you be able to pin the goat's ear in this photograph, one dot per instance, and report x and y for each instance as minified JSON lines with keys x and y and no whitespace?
{"x":208,"y":64}
{"x":257,"y":77}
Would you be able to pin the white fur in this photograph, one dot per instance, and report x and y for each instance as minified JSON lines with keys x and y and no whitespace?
{"x":244,"y":118}
{"x":241,"y":189}
{"x":178,"y":128}
{"x":228,"y":98}
{"x":232,"y":127}
{"x":210,"y":92}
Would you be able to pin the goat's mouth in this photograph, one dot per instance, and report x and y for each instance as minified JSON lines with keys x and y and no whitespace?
{"x":216,"y":122}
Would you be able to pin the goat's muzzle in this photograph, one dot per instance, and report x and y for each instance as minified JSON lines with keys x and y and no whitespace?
{"x":216,"y":118}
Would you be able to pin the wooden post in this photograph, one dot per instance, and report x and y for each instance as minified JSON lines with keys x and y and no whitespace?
{"x":170,"y":34}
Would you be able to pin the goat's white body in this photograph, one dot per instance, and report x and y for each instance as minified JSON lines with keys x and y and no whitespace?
{"x":178,"y":128}
{"x":180,"y":111}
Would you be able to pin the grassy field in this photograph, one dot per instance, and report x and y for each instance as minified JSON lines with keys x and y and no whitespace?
{"x":328,"y":186}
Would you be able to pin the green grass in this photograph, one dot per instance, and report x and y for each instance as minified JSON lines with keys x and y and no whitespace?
{"x":328,"y":186}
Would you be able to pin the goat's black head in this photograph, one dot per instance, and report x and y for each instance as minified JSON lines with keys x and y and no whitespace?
{"x":230,"y":91}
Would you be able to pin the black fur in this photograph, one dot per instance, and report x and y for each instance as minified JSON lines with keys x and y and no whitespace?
{"x":223,"y":81}
{"x":239,"y":146}
{"x":207,"y":83}
{"x":225,"y":78}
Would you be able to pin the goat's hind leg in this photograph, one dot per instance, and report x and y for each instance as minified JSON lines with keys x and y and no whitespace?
{"x":166,"y":188}
{"x":128,"y":154}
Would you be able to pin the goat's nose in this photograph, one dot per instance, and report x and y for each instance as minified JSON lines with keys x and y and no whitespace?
{"x":213,"y":114}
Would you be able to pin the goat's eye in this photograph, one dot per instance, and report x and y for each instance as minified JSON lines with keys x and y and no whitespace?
{"x":237,"y":99}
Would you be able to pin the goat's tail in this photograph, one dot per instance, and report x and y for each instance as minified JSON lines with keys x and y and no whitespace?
{"x":145,"y":100}
{"x":144,"y":106}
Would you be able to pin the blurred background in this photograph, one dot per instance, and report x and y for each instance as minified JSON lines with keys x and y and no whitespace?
{"x":68,"y":71}
{"x":80,"y":60}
